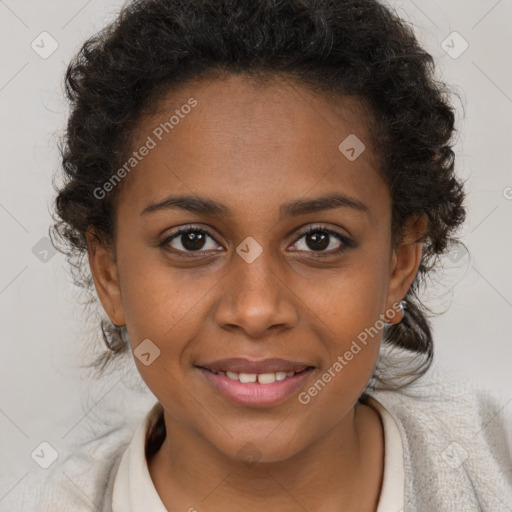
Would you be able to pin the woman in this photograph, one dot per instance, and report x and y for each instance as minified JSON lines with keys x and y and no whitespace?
{"x":260,"y":189}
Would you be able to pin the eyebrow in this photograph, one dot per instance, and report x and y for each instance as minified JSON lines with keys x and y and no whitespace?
{"x":197,"y":204}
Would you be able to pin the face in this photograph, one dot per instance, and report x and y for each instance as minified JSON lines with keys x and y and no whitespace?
{"x":246,"y":280}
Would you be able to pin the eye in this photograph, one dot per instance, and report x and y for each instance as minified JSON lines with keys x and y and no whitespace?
{"x":316,"y":239}
{"x":190,"y":239}
{"x":322,"y":240}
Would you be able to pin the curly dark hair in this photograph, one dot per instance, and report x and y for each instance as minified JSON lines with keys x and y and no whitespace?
{"x":359,"y":48}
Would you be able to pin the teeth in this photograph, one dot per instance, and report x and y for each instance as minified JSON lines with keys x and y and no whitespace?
{"x":266,"y":378}
{"x":247,"y":377}
{"x":261,"y":378}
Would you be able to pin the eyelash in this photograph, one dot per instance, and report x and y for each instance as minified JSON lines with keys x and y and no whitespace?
{"x":345,"y":242}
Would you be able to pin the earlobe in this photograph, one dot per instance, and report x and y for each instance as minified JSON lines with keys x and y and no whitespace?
{"x":406,"y":259}
{"x":105,"y":275}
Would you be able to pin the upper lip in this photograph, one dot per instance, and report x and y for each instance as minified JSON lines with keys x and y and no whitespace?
{"x":243,"y":365}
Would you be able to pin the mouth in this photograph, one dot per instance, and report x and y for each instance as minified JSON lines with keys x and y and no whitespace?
{"x":257,"y":389}
{"x":242,"y":365}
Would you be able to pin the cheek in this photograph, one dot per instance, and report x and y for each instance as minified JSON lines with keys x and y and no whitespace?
{"x":350,"y":305}
{"x":352,"y":334}
{"x":350,"y":299}
{"x":157,"y":299}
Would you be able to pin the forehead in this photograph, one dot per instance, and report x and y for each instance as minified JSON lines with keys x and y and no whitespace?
{"x":252,"y":143}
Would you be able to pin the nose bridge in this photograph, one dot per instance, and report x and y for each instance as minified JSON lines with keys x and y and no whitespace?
{"x":255,"y":281}
{"x":255,"y":298}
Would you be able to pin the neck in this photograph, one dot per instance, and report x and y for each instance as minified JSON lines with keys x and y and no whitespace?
{"x":341,"y":471}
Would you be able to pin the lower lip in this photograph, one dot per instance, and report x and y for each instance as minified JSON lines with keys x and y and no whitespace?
{"x":253,"y":394}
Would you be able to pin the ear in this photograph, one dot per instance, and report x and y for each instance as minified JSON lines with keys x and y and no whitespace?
{"x":406,"y":259}
{"x":106,"y":280}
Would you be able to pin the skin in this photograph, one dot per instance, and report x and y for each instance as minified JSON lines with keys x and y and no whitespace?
{"x":255,"y":147}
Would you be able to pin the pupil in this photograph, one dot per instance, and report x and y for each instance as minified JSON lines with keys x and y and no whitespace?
{"x":320,"y":240}
{"x":192,"y":241}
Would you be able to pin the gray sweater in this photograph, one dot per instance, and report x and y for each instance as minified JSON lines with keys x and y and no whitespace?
{"x":456,"y":442}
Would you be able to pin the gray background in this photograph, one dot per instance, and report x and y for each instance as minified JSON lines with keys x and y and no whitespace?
{"x":44,"y":332}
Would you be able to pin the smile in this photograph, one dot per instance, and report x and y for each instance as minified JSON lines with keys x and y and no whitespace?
{"x":256,"y":389}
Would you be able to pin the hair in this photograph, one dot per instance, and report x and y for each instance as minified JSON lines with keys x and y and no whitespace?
{"x":357,"y":48}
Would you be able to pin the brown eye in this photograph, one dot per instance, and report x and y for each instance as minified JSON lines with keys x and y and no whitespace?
{"x":193,"y":241}
{"x":317,"y":241}
{"x":189,"y":240}
{"x":322,"y":240}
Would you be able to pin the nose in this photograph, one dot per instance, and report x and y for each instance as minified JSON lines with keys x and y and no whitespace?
{"x":256,"y":298}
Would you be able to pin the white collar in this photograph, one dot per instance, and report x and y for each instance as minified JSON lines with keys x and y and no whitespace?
{"x":133,"y":487}
{"x":392,"y":494}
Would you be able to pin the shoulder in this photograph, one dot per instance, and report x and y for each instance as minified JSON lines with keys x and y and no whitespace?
{"x":80,"y":480}
{"x":457,"y":438}
{"x":82,"y":477}
{"x":438,"y":400}
{"x":438,"y":395}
